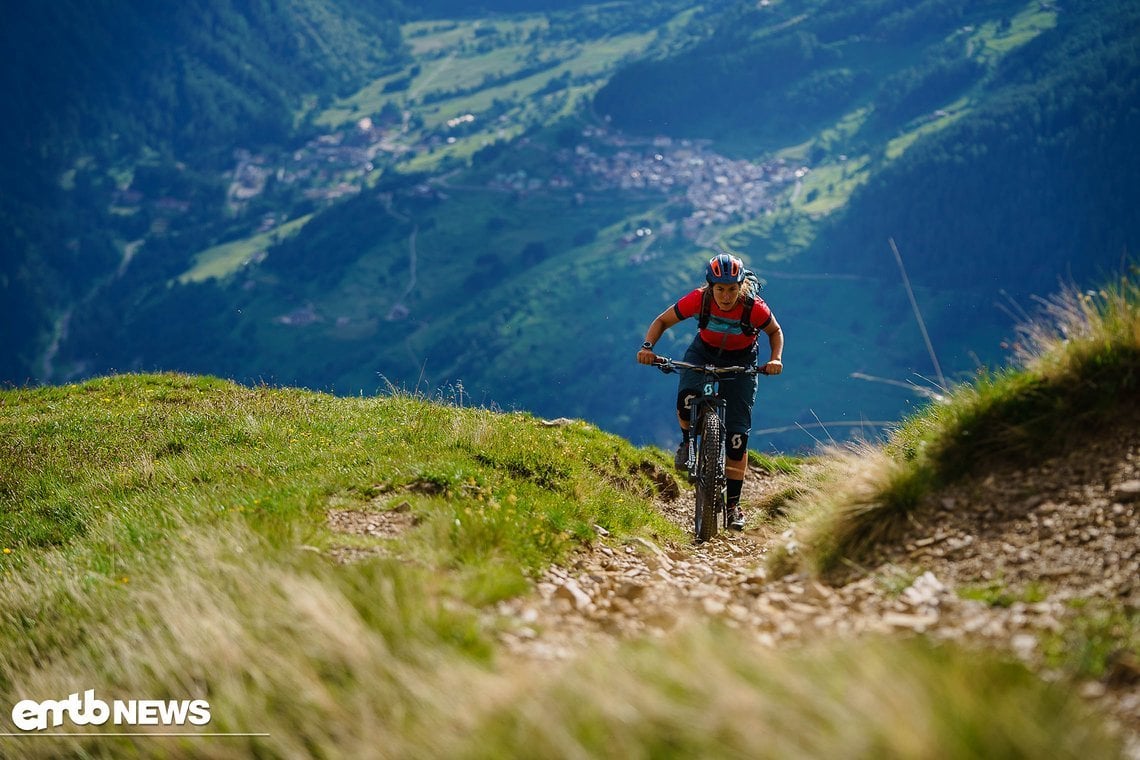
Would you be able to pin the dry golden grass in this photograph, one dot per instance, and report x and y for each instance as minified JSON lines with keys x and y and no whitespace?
{"x":1077,"y":365}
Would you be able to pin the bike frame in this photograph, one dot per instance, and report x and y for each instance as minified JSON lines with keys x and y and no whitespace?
{"x":708,"y":402}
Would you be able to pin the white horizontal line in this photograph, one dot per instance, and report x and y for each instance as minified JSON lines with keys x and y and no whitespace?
{"x":125,"y":733}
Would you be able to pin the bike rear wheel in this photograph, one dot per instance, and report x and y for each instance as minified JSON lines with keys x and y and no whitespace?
{"x":710,"y":476}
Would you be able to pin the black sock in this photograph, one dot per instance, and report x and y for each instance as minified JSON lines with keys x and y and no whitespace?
{"x":733,"y":491}
{"x":684,"y":435}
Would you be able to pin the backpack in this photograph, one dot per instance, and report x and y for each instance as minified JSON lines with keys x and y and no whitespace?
{"x":746,"y":325}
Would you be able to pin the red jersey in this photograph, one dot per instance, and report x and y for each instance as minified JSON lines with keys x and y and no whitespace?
{"x":723,"y":329}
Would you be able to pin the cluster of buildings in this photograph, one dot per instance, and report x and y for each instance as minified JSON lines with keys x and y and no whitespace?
{"x":328,"y":167}
{"x":719,"y":190}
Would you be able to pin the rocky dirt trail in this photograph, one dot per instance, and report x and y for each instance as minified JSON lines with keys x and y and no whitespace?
{"x":1066,"y":530}
{"x":1036,"y":547}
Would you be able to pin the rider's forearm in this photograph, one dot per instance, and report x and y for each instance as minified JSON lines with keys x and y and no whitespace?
{"x":655,"y":331}
{"x":776,"y":343}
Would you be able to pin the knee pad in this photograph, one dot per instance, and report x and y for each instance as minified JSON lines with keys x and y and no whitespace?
{"x":737,"y":445}
{"x":685,"y":402}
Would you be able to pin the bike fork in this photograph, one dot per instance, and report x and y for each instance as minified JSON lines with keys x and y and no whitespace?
{"x":694,"y":431}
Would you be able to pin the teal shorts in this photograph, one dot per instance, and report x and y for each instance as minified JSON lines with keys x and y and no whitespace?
{"x":738,"y":392}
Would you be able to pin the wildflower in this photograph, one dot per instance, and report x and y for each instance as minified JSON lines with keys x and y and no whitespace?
{"x":7,"y":550}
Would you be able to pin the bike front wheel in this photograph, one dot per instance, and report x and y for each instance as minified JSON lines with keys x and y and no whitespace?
{"x":709,"y":490}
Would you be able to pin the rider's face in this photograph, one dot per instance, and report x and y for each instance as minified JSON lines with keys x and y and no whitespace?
{"x":726,"y":294}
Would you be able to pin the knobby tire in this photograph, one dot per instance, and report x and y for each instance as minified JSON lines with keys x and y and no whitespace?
{"x":709,"y":476}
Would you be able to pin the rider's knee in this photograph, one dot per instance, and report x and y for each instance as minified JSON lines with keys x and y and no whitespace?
{"x":736,"y":446}
{"x":685,"y":403}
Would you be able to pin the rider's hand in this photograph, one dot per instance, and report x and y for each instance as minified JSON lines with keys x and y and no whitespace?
{"x":774,"y":367}
{"x":645,"y":356}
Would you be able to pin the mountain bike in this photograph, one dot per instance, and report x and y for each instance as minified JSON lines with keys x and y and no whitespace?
{"x":705,"y":462}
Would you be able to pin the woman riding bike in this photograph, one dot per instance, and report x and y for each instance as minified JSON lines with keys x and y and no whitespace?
{"x":730,"y":318}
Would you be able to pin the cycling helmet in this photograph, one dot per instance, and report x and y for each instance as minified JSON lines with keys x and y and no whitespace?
{"x":724,"y":268}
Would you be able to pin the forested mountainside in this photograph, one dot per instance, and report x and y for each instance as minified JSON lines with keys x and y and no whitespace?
{"x":1038,"y":184}
{"x":106,"y":98}
{"x":192,"y":77}
{"x":1027,"y":173}
{"x":772,"y":74}
{"x":466,"y":9}
{"x":508,"y":199}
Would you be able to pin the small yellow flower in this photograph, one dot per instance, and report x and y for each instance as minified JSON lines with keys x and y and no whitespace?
{"x":7,"y":550}
{"x":124,"y":579}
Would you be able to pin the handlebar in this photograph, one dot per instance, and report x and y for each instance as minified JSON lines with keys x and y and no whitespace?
{"x":667,"y":365}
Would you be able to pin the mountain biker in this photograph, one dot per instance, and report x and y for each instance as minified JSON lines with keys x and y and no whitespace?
{"x":726,"y":337}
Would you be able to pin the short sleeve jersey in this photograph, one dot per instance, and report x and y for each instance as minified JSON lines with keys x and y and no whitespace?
{"x":723,"y":329}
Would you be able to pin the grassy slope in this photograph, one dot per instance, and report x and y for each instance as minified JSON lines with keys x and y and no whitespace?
{"x":452,"y":69}
{"x":154,"y":532}
{"x":1078,"y":374}
{"x":225,"y":259}
{"x":112,"y":453}
{"x":157,"y":536}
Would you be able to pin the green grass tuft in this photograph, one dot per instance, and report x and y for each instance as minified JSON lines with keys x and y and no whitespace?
{"x":997,"y":594}
{"x":1103,"y":643}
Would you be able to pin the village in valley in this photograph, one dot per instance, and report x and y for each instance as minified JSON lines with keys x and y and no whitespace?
{"x":717,"y":189}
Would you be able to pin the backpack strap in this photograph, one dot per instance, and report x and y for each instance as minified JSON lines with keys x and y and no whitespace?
{"x":706,"y":306}
{"x":746,"y":325}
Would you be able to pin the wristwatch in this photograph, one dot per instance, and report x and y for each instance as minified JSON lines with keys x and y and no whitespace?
{"x":647,"y":346}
